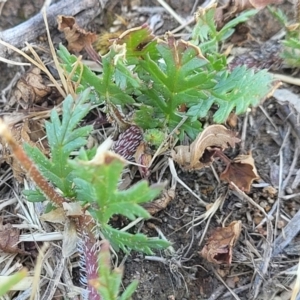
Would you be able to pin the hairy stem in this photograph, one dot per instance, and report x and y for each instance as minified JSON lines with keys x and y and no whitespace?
{"x":89,"y":255}
{"x":30,"y":167}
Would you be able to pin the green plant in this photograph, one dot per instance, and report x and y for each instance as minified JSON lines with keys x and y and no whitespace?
{"x":109,"y":282}
{"x":91,"y":178}
{"x":166,"y":81}
{"x":162,"y":83}
{"x":92,"y":181}
{"x":7,"y":283}
{"x":291,"y":42}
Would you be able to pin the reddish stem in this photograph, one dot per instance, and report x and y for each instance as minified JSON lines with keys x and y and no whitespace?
{"x":30,"y":167}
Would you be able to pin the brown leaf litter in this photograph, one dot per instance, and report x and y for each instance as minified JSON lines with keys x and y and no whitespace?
{"x":28,"y":131}
{"x":196,"y":156}
{"x":9,"y":239}
{"x":218,"y":248}
{"x":32,"y":88}
{"x":242,"y":171}
{"x":78,"y":38}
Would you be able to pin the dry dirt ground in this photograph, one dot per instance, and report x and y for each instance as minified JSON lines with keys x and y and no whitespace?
{"x":259,"y":269}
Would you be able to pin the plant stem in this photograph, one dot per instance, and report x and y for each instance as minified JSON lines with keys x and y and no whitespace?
{"x":89,"y":254}
{"x":30,"y":167}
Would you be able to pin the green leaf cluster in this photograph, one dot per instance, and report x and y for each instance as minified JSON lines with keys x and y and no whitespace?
{"x":110,"y":281}
{"x":291,"y":42}
{"x":64,"y":137}
{"x":166,"y":82}
{"x":97,"y":184}
{"x":89,"y":183}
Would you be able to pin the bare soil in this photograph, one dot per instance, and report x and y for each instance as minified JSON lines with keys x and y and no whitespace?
{"x":272,"y":137}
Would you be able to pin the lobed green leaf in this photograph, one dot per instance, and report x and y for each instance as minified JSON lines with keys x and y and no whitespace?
{"x":138,"y":242}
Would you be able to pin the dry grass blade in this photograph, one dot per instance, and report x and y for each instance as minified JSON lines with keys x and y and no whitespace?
{"x":52,"y":286}
{"x":40,"y":66}
{"x":11,"y":62}
{"x":37,"y":270}
{"x":57,"y":65}
{"x":175,"y":176}
{"x":174,"y":14}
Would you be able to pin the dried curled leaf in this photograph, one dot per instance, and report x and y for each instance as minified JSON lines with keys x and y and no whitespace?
{"x":9,"y":238}
{"x":160,"y":203}
{"x":78,"y":39}
{"x":143,"y":158}
{"x":195,"y":156}
{"x":241,"y":171}
{"x":30,"y":89}
{"x":57,"y":215}
{"x":218,"y":248}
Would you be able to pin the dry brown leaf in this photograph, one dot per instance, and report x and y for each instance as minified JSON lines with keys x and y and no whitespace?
{"x":78,"y":39}
{"x":73,"y":209}
{"x":57,"y":215}
{"x":9,"y":238}
{"x":218,"y":248}
{"x":30,"y":89}
{"x":198,"y":156}
{"x":143,"y":158}
{"x":161,"y":203}
{"x":241,"y":171}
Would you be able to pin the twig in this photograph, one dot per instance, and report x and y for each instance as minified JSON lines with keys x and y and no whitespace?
{"x":244,"y":130}
{"x":235,"y":296}
{"x":288,"y":233}
{"x":268,"y":117}
{"x":292,"y":167}
{"x":85,"y":11}
{"x":289,"y":197}
{"x":280,"y":189}
{"x":174,"y":14}
{"x":287,"y":79}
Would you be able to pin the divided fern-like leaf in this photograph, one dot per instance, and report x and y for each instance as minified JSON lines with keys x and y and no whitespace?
{"x":237,"y":90}
{"x":127,"y":241}
{"x":107,"y":90}
{"x":169,"y":82}
{"x":63,"y":137}
{"x":97,"y":184}
{"x":180,"y":77}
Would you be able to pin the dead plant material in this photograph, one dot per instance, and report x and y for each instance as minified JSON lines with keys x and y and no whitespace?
{"x":9,"y":238}
{"x":54,"y":216}
{"x":198,"y":154}
{"x":218,"y":248}
{"x":160,"y":203}
{"x":143,"y":158}
{"x":229,"y":9}
{"x":30,"y":89}
{"x":78,"y":39}
{"x":241,"y":171}
{"x":29,"y":131}
{"x":29,"y":166}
